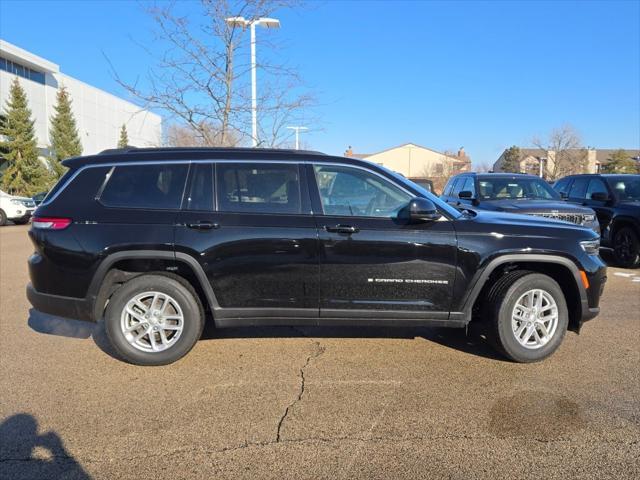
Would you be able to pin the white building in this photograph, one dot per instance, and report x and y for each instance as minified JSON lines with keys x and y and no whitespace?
{"x":99,"y":115}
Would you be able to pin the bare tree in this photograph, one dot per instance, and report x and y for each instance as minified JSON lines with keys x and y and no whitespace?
{"x":565,"y":153}
{"x":483,"y":167}
{"x":199,"y":79}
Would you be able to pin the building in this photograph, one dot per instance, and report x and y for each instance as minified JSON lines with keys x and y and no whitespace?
{"x":540,"y":162}
{"x":99,"y":115}
{"x":417,"y":162}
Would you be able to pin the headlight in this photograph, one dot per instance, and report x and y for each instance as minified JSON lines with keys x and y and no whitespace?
{"x":589,"y":218}
{"x":16,"y":202}
{"x":591,"y":247}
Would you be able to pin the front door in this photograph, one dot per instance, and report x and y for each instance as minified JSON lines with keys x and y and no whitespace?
{"x":373,"y":262}
{"x":255,"y":239}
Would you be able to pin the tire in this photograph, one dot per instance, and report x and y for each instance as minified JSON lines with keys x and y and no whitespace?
{"x":169,"y":342}
{"x":626,"y":247}
{"x":515,"y":289}
{"x":21,"y":221}
{"x":3,"y":218}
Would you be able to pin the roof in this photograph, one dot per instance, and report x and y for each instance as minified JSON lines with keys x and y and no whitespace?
{"x":23,"y":57}
{"x":603,"y":155}
{"x":417,"y":146}
{"x":133,"y":154}
{"x":497,"y":174}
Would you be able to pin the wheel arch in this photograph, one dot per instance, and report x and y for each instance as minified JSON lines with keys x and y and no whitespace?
{"x":122,"y":266}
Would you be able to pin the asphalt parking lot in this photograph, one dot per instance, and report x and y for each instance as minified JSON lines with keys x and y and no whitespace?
{"x":315,"y":403}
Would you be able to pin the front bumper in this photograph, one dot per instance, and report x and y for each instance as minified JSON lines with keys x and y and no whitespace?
{"x":69,"y":307}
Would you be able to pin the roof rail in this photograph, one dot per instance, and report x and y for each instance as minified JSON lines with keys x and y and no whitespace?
{"x":117,"y":151}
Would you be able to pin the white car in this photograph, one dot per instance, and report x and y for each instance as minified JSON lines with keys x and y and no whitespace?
{"x":16,"y":209}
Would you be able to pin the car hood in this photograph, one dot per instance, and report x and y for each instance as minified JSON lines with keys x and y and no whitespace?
{"x":524,"y":224}
{"x":537,"y":206}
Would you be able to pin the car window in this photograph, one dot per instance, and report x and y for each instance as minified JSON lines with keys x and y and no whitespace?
{"x":258,"y":187}
{"x":579,"y":188}
{"x":145,"y":186}
{"x":596,"y":186}
{"x":449,"y":187}
{"x":200,"y":195}
{"x":354,"y":192}
{"x":626,"y":187}
{"x":501,"y":188}
{"x":562,"y":186}
{"x":458,"y":186}
{"x":469,"y":186}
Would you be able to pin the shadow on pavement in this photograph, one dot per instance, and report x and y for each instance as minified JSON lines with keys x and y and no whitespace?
{"x":19,"y":445}
{"x":471,"y":341}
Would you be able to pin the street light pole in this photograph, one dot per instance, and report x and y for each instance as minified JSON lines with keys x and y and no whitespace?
{"x":297,"y":129}
{"x":244,"y":23}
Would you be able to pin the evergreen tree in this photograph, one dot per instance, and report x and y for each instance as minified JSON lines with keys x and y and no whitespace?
{"x":511,"y":160}
{"x":25,"y":174}
{"x":123,"y":142}
{"x":620,"y":162}
{"x":65,"y":141}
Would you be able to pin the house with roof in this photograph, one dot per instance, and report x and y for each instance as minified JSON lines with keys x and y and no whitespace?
{"x":540,"y":162}
{"x":417,"y":162}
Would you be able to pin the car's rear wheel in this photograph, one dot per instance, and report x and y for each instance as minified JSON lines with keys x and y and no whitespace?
{"x":153,"y":320}
{"x":528,"y":316}
{"x":626,"y":247}
{"x":21,"y":221}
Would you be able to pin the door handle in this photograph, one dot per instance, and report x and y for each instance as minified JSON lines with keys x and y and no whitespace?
{"x":203,"y":225}
{"x":342,"y":229}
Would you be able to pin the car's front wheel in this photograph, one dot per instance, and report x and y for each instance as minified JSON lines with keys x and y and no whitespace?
{"x":153,"y":320}
{"x":528,"y":315}
{"x":626,"y":247}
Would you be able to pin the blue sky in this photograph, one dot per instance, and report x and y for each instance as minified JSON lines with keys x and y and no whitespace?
{"x":483,"y":75}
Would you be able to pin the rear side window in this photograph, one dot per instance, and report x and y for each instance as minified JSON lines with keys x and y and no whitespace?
{"x":258,"y":188}
{"x":145,"y":186}
{"x":200,"y":195}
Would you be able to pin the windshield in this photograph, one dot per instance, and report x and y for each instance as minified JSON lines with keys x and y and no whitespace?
{"x":442,"y":206}
{"x":501,"y":188}
{"x":626,"y":187}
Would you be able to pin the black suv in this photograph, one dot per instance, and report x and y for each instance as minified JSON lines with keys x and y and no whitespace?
{"x":156,"y":240}
{"x":616,"y":200}
{"x":514,"y":193}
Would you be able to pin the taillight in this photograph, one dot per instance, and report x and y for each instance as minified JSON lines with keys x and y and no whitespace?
{"x":50,"y":223}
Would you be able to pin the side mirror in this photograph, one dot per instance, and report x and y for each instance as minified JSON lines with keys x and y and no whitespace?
{"x":422,"y":210}
{"x":466,"y":194}
{"x":599,"y":196}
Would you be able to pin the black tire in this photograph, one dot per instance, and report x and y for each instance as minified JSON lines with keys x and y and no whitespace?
{"x":21,"y":221}
{"x":500,"y":304}
{"x":182,"y":293}
{"x":626,"y":247}
{"x":3,"y":218}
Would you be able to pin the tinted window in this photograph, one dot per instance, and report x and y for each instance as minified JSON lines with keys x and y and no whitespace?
{"x":145,"y":186}
{"x":354,"y":192}
{"x":596,"y":186}
{"x":449,"y":187}
{"x":500,"y":188}
{"x":626,"y":187}
{"x":200,"y":195}
{"x":562,"y":186}
{"x":258,"y":188}
{"x":457,"y":188}
{"x":579,"y":188}
{"x":469,"y":186}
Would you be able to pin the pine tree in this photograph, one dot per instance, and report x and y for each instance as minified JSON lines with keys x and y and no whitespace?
{"x":65,"y":141}
{"x":620,"y":162}
{"x":123,"y":142}
{"x":25,"y":174}
{"x":511,"y":160}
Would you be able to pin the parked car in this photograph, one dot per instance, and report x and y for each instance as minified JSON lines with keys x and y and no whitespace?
{"x":16,"y":209}
{"x":152,"y":239}
{"x":39,"y":197}
{"x":616,"y":201}
{"x":514,"y":193}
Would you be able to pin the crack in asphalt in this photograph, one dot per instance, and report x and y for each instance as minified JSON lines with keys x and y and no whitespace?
{"x":318,"y":350}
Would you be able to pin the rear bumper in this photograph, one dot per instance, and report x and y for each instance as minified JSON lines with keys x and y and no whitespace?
{"x":69,"y":307}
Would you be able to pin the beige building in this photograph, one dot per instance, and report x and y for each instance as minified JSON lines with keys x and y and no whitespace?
{"x":417,"y":162}
{"x":540,"y":162}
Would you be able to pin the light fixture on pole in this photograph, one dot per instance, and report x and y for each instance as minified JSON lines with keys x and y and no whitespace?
{"x":297,"y":129}
{"x":244,"y":23}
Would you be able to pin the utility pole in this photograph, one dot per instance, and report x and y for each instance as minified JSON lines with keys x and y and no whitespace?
{"x":297,"y":129}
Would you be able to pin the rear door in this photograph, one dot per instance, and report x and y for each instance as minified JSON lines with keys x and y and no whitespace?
{"x":249,"y":225}
{"x":373,"y":263}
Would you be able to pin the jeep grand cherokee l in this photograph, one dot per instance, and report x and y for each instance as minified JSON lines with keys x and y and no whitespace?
{"x":157,"y":240}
